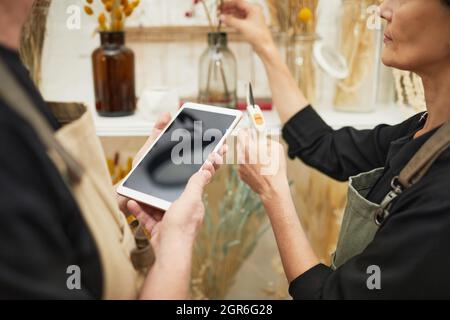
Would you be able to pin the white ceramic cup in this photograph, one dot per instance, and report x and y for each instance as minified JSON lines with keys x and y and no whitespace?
{"x":154,"y":101}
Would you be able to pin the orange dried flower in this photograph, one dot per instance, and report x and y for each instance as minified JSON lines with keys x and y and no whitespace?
{"x":88,"y":10}
{"x":115,"y":13}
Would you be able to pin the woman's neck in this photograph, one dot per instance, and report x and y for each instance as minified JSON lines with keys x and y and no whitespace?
{"x":437,"y":97}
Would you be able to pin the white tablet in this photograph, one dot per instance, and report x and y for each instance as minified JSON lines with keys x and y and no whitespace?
{"x":180,"y":150}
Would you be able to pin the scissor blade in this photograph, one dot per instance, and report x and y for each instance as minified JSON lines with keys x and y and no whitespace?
{"x":251,"y":100}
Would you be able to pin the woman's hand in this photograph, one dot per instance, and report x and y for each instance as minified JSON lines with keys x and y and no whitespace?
{"x":184,"y":217}
{"x":273,"y":187}
{"x":249,"y":20}
{"x":264,"y":165}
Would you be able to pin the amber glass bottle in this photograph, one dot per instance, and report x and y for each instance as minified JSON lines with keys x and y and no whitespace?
{"x":114,"y":79}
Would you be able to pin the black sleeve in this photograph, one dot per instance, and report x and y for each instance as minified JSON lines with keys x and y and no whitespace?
{"x":342,"y":153}
{"x":411,"y":249}
{"x":35,"y":249}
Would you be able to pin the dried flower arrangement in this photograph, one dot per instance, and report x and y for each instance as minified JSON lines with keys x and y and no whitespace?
{"x":409,"y":90}
{"x":297,"y":20}
{"x":117,"y":170}
{"x":226,"y":96}
{"x":228,"y":237}
{"x":113,"y":13}
{"x":209,"y":7}
{"x":294,"y":17}
{"x":358,"y":47}
{"x":32,"y":40}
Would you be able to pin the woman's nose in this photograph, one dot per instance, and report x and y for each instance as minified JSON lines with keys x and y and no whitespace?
{"x":386,"y":10}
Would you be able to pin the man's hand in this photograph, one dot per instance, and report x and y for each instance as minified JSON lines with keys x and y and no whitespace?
{"x":185,"y":216}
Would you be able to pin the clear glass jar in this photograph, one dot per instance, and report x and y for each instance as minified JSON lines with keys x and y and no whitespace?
{"x":300,"y":60}
{"x":361,"y":47}
{"x":218,"y":73}
{"x":114,"y":78}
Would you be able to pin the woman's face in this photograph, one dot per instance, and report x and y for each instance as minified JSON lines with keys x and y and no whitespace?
{"x":417,"y":36}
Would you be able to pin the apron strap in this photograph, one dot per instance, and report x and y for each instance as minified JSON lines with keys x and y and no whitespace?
{"x":419,"y":165}
{"x":415,"y":170}
{"x":14,"y":95}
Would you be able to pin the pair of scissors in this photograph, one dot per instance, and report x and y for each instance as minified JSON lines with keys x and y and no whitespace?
{"x":254,"y":112}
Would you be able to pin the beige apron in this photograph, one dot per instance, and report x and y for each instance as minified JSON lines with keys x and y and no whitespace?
{"x":76,"y":151}
{"x":363,"y":218}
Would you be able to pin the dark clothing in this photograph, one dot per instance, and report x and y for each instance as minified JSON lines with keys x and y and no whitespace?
{"x":42,"y":231}
{"x":412,"y":246}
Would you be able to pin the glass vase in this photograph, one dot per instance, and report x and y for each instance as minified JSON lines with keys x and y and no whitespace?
{"x":218,"y":73}
{"x":114,"y":76}
{"x":300,"y":60}
{"x":360,"y":44}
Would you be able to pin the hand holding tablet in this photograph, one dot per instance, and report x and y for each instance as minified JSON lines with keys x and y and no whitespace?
{"x":181,"y":149}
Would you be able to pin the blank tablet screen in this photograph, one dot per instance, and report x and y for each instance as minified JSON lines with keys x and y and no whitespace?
{"x":179,"y":153}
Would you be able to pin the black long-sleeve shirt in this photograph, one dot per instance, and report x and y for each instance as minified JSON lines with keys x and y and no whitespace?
{"x":412,"y":247}
{"x":42,"y":231}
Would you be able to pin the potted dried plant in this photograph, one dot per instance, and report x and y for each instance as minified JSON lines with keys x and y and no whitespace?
{"x":360,"y":45}
{"x":113,"y":63}
{"x":296,"y":20}
{"x":218,"y":67}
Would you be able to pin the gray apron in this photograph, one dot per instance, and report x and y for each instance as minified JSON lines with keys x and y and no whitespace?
{"x":362,"y":218}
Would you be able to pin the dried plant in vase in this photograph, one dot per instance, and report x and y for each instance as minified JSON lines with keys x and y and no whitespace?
{"x":297,"y":21}
{"x":359,"y":47}
{"x":112,"y":14}
{"x":32,"y":41}
{"x":409,"y":90}
{"x":113,"y":63}
{"x":228,"y":237}
{"x":217,"y":67}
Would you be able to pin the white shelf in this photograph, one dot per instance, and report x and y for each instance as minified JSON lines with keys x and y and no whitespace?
{"x":141,"y":125}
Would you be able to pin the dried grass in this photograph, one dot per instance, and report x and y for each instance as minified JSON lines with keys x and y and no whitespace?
{"x":358,"y":47}
{"x":32,"y":41}
{"x":229,"y":235}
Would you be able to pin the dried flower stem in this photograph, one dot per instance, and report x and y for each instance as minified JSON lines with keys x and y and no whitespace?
{"x":358,"y":47}
{"x":208,"y":15}
{"x":32,"y":40}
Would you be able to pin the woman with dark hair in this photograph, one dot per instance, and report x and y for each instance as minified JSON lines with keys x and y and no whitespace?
{"x":395,"y":235}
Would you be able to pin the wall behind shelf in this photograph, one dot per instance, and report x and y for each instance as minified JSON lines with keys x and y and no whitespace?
{"x":67,"y":74}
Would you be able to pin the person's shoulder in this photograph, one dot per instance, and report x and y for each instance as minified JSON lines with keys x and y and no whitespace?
{"x":22,"y":154}
{"x":433,"y":189}
{"x":10,"y":121}
{"x":440,"y":170}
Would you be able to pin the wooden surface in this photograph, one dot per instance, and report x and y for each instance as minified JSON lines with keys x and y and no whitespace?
{"x":173,"y":34}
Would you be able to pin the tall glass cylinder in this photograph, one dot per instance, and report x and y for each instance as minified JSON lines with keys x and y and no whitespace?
{"x":300,"y":60}
{"x":218,"y":73}
{"x":360,"y":44}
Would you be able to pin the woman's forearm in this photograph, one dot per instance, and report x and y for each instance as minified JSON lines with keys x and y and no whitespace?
{"x":296,"y":253}
{"x":169,"y":277}
{"x":286,"y":96}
